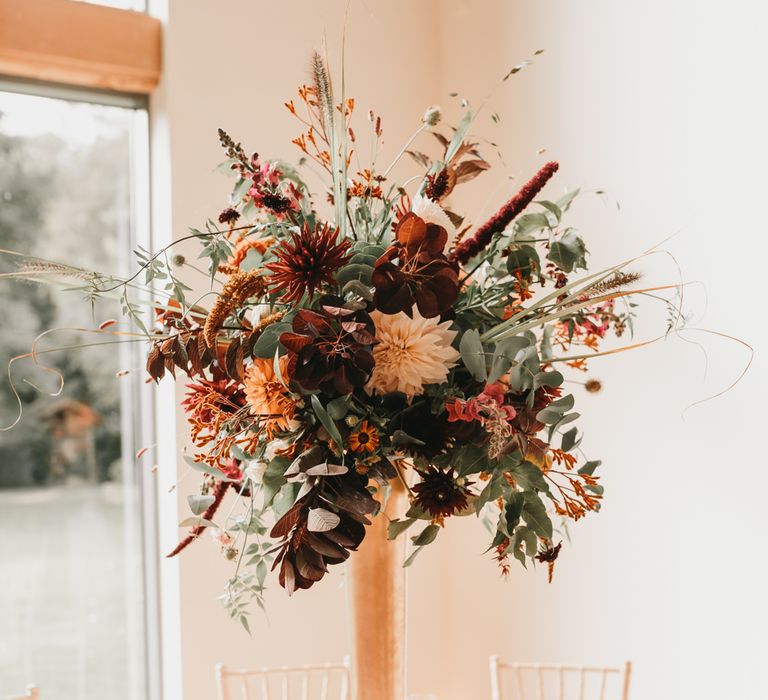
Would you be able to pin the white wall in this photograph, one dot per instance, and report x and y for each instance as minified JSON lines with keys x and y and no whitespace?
{"x":662,"y":105}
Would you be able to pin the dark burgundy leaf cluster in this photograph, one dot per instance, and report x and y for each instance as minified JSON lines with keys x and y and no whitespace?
{"x":303,"y":555}
{"x":330,"y":347}
{"x":422,"y":276}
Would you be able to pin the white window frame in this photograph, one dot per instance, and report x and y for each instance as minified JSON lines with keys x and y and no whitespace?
{"x":140,"y":406}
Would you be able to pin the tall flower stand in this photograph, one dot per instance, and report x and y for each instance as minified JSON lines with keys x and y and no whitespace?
{"x":377,"y":579}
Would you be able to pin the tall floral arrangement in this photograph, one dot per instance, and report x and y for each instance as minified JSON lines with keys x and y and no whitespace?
{"x":388,"y":341}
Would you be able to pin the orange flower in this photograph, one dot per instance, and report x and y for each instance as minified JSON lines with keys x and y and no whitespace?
{"x":266,"y":395}
{"x":365,"y":438}
{"x":260,"y":245}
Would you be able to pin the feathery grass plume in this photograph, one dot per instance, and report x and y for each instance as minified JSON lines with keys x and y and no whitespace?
{"x":619,"y":279}
{"x":480,"y":239}
{"x":324,"y":92}
{"x":43,"y":267}
{"x":269,"y":319}
{"x":238,"y":289}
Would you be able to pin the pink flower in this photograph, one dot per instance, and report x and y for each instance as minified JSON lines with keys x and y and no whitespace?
{"x":488,"y":404}
{"x":224,"y":539}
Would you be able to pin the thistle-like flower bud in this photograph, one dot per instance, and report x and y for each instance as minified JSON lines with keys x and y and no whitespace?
{"x":178,"y":260}
{"x":432,"y":116}
{"x":593,"y":385}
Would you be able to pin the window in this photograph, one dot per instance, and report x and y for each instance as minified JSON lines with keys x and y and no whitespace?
{"x":73,"y":188}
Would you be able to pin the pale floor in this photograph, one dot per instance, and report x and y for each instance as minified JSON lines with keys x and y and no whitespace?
{"x":70,"y":613}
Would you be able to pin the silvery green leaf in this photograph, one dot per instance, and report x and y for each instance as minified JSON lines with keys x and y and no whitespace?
{"x":535,"y":515}
{"x":569,"y":252}
{"x":400,"y":437}
{"x":357,"y":287}
{"x":589,"y":467}
{"x":504,"y":355}
{"x":426,"y":536}
{"x":326,"y":420}
{"x":397,"y":527}
{"x":529,"y":477}
{"x":198,"y":504}
{"x":327,"y":469}
{"x":552,"y":208}
{"x":565,"y":201}
{"x":197,"y":522}
{"x":473,"y":355}
{"x":569,"y":440}
{"x":493,"y":489}
{"x":338,"y":408}
{"x":269,"y":340}
{"x":552,"y":378}
{"x":412,"y":556}
{"x":203,"y":467}
{"x":529,"y":223}
{"x":458,"y":136}
{"x":522,"y":374}
{"x":524,"y":259}
{"x":321,"y":520}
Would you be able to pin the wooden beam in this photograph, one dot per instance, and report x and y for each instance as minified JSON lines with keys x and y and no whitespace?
{"x":77,"y":43}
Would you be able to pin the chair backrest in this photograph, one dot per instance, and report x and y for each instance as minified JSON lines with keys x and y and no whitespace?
{"x":312,"y":682}
{"x":528,"y":681}
{"x":32,"y":694}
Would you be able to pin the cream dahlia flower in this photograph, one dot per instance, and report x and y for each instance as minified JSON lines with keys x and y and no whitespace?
{"x":410,"y":353}
{"x":433,"y":213}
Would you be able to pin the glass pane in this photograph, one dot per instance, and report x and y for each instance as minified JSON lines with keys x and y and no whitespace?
{"x":70,"y":551}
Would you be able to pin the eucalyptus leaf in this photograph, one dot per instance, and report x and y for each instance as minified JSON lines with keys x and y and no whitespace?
{"x":397,"y":527}
{"x":535,"y":515}
{"x":269,"y":340}
{"x":400,"y":437}
{"x":412,"y":557}
{"x":326,"y":420}
{"x":458,"y":136}
{"x":198,"y":503}
{"x":426,"y":536}
{"x":203,"y":467}
{"x":473,"y":355}
{"x":589,"y":467}
{"x":357,"y":287}
{"x":338,"y":408}
{"x":569,"y":252}
{"x":197,"y":521}
{"x":529,"y":477}
{"x":569,"y":440}
{"x":504,"y":355}
{"x":327,"y":469}
{"x":493,"y":489}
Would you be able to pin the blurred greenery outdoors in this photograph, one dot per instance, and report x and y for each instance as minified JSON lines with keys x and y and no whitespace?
{"x":64,"y":199}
